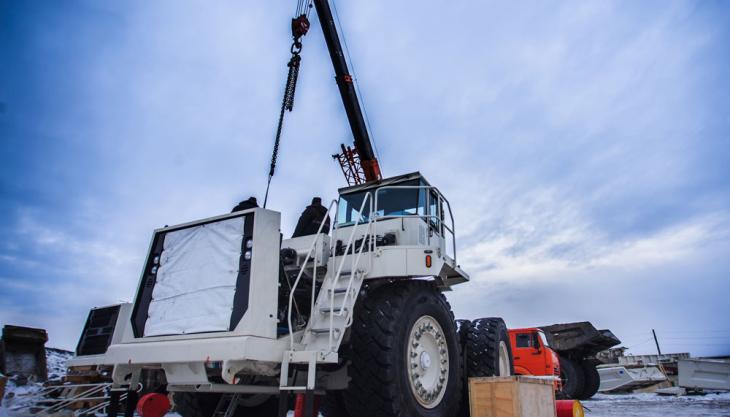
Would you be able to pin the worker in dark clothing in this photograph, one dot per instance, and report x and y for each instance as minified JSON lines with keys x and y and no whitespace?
{"x":246,"y":204}
{"x":311,"y":218}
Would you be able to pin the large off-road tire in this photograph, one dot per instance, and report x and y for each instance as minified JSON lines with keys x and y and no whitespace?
{"x":488,"y":350}
{"x":405,"y":356}
{"x":333,"y":405}
{"x":592,"y":379}
{"x":191,"y":404}
{"x":195,"y":404}
{"x":572,"y":378}
{"x":462,"y":330}
{"x":463,"y":327}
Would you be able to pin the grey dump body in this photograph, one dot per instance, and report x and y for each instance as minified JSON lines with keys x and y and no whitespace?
{"x":23,"y":352}
{"x":580,"y":339}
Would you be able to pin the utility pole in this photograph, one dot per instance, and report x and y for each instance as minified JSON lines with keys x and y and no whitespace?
{"x":656,"y":341}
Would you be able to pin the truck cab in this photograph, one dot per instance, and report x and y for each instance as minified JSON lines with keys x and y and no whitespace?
{"x":532,"y":355}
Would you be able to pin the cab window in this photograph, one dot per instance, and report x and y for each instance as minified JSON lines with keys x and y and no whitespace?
{"x":391,"y":202}
{"x":435,"y":211}
{"x":524,"y":340}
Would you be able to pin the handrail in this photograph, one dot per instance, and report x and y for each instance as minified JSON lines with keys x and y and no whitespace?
{"x":301,"y":271}
{"x":354,"y":263}
{"x":451,"y":229}
{"x":370,"y":199}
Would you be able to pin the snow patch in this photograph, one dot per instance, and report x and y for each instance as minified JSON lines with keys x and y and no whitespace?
{"x":20,"y":394}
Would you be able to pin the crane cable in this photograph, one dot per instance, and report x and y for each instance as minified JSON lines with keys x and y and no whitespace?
{"x":299,"y":28}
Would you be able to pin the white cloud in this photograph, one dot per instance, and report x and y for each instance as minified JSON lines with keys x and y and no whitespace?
{"x":576,"y":142}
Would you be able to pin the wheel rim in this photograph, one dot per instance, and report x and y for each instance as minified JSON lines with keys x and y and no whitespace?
{"x":428,"y":361}
{"x":504,"y":368}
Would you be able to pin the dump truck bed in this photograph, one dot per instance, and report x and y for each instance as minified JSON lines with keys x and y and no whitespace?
{"x":580,"y":337}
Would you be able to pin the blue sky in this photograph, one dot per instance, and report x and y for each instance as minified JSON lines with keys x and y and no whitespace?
{"x":584,"y":147}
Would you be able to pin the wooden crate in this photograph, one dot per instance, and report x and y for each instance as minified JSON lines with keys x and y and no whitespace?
{"x":512,"y":396}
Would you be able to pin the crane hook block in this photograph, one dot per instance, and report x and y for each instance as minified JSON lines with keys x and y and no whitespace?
{"x":299,"y":26}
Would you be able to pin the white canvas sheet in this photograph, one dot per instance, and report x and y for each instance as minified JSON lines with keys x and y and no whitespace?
{"x":196,"y":280}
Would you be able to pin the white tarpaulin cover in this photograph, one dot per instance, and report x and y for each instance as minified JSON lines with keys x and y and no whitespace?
{"x":196,"y":279}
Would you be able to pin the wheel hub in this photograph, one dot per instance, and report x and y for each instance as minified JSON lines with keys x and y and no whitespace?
{"x":425,"y":360}
{"x":428,"y":360}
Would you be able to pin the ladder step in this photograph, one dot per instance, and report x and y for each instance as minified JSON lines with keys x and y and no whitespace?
{"x":335,"y":310}
{"x":323,"y":331}
{"x":227,"y":405}
{"x":338,"y":290}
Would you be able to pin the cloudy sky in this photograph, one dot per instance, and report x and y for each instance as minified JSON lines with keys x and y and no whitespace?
{"x":584,"y":147}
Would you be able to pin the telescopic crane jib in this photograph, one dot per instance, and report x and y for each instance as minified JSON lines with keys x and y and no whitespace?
{"x":363,"y":147}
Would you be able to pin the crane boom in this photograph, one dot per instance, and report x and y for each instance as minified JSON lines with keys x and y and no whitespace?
{"x":363,"y":146}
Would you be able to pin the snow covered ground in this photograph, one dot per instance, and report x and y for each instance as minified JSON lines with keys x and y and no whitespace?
{"x":18,"y":399}
{"x":652,"y":405}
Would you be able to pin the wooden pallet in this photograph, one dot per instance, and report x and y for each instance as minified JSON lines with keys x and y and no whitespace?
{"x":513,"y":396}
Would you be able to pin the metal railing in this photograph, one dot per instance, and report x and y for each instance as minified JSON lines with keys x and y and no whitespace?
{"x":427,"y":217}
{"x":75,"y":393}
{"x":370,"y":200}
{"x":355,"y":262}
{"x":311,"y":250}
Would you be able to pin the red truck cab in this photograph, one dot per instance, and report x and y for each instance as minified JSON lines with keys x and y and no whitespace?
{"x":532,"y":355}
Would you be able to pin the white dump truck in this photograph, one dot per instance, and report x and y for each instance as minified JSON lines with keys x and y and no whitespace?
{"x":226,"y":306}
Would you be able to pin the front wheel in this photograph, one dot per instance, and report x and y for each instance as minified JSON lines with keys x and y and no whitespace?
{"x":405,"y":354}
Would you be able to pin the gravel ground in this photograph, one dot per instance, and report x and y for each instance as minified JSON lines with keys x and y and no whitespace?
{"x":652,"y":405}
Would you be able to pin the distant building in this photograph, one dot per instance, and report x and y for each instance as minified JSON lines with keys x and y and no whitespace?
{"x":611,"y":355}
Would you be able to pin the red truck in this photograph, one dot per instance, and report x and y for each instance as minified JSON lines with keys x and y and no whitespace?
{"x":565,"y":350}
{"x":532,"y":355}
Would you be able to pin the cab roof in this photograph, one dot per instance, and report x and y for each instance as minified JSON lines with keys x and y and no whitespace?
{"x":385,"y":181}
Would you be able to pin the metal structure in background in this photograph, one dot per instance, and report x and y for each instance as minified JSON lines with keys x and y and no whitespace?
{"x":349,"y":161}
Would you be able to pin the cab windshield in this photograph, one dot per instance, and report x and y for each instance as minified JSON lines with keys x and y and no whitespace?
{"x":543,"y":338}
{"x":391,"y":202}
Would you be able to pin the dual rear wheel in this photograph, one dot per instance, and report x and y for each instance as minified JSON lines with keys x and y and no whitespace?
{"x":580,"y":379}
{"x":407,"y":358}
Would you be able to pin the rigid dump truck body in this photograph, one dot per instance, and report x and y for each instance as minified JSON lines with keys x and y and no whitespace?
{"x":576,"y":345}
{"x":23,"y":352}
{"x":225,"y":305}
